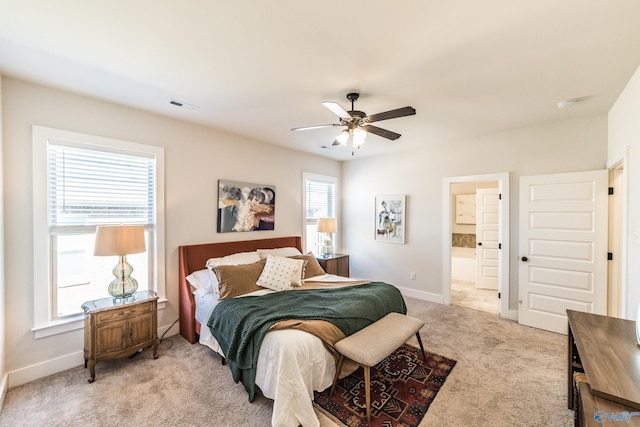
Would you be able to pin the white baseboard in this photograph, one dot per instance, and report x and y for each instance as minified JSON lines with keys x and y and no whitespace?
{"x":426,"y":296}
{"x":439,"y":299}
{"x":3,"y":389}
{"x":48,"y":367}
{"x":45,"y":368}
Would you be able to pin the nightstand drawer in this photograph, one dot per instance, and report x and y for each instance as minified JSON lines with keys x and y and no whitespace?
{"x":125,"y":312}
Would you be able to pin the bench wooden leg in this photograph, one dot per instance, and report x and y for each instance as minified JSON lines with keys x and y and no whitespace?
{"x":367,"y":385}
{"x":424,"y":356}
{"x":335,"y":377}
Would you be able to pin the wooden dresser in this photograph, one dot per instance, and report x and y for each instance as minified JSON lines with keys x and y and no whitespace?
{"x":337,"y":264}
{"x":606,"y":350}
{"x":116,"y":328}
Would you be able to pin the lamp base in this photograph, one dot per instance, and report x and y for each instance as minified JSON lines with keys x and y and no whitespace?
{"x":327,"y":247}
{"x":123,"y":286}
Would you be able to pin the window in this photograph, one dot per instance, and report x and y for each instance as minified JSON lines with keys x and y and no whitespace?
{"x":319,"y":202}
{"x":80,"y":182}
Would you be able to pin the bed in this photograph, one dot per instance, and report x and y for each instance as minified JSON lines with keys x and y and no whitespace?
{"x":291,"y":363}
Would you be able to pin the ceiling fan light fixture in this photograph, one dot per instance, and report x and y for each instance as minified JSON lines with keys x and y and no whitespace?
{"x":359,"y":136}
{"x":358,"y":123}
{"x":343,"y":138}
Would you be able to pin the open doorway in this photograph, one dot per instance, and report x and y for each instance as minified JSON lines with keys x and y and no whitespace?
{"x":469,"y":185}
{"x":474,"y":245}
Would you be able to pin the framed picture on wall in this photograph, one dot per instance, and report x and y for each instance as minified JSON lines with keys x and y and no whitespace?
{"x":465,"y":208}
{"x":243,"y":206}
{"x":390,"y":218}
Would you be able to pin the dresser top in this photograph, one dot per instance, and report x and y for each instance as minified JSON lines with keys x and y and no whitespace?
{"x":610,"y":355}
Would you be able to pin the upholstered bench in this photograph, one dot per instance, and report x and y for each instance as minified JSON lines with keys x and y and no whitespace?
{"x":370,"y":345}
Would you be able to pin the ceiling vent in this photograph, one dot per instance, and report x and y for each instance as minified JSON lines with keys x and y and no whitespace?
{"x":183,"y":105}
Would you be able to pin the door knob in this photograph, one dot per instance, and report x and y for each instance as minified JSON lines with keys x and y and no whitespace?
{"x":479,"y":243}
{"x":524,"y":258}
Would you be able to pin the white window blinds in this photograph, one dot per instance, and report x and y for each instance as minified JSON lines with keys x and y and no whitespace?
{"x":89,"y":187}
{"x":320,"y":199}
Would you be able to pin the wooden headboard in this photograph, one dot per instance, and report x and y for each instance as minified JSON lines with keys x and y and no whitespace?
{"x":193,"y":257}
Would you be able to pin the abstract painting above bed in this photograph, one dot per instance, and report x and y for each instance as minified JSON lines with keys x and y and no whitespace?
{"x":244,"y":206}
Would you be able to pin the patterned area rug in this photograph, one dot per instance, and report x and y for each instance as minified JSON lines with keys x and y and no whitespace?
{"x":402,"y":388}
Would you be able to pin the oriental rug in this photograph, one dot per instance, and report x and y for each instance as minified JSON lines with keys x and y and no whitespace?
{"x":402,"y":388}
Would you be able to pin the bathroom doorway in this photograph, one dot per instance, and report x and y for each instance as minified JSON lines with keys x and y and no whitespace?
{"x":476,"y":249}
{"x":474,"y":246}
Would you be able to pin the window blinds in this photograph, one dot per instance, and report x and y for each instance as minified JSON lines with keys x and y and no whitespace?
{"x":320,"y":199}
{"x":89,"y":187}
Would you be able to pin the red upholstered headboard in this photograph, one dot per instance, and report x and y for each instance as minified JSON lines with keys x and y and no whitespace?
{"x":193,"y":257}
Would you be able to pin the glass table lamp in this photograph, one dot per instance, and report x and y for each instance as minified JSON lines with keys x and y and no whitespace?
{"x":328,"y":227}
{"x":120,"y":240}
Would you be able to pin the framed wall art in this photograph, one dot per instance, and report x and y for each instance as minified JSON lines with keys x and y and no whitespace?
{"x":390,"y":218}
{"x":243,"y":206}
{"x":465,"y":208}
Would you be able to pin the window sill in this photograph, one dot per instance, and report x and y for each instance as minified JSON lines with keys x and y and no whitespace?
{"x":70,"y":323}
{"x":59,"y":326}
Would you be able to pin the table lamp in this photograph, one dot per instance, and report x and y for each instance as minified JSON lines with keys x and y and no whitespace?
{"x":120,"y":240}
{"x":327,"y":226}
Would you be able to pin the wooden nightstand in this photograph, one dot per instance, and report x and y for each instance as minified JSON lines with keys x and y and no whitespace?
{"x":337,"y":264}
{"x":114,"y":329}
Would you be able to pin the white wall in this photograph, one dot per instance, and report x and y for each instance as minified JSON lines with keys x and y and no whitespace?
{"x":3,"y":376}
{"x":195,"y":158}
{"x":564,"y":146}
{"x":624,"y":135}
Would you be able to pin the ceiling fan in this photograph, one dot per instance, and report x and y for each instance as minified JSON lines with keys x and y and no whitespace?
{"x":358,"y":123}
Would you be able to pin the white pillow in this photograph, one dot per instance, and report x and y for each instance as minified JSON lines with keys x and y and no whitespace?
{"x":288,"y":251}
{"x":278,"y":273}
{"x":234,"y":259}
{"x":203,"y":279}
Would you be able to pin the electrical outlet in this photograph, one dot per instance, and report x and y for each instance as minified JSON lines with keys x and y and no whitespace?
{"x":413,"y":276}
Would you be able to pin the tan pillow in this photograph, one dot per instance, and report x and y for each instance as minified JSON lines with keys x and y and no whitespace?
{"x":236,"y":280}
{"x":313,"y":267}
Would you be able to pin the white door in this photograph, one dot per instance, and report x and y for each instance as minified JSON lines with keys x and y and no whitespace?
{"x":487,"y":224}
{"x":563,"y":247}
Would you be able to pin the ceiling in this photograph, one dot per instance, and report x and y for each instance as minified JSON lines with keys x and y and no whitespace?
{"x":260,"y":68}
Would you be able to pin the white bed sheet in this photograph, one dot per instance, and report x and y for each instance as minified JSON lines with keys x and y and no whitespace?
{"x":291,"y":363}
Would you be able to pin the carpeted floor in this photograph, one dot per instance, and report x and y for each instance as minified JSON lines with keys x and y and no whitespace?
{"x":506,"y":375}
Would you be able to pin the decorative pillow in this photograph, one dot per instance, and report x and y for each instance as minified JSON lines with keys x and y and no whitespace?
{"x":298,"y":276}
{"x":236,"y":280}
{"x":313,"y":267}
{"x":285,"y":252}
{"x":278,"y":273}
{"x":234,"y":259}
{"x":203,"y":279}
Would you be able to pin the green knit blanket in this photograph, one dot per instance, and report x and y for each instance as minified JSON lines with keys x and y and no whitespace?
{"x":240,"y":324}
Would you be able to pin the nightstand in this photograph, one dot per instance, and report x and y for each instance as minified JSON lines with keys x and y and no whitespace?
{"x":337,"y":264}
{"x":116,"y":328}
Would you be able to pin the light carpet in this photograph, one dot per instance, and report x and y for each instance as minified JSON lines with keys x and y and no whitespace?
{"x":506,"y":375}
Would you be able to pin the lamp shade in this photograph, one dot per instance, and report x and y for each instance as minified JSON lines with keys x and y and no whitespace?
{"x":119,"y":240}
{"x":327,"y":225}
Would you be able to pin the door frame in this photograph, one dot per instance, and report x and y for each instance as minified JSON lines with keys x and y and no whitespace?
{"x":622,"y":163}
{"x":503,"y":272}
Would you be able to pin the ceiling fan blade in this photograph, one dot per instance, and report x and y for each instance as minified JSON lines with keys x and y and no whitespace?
{"x":337,"y":109}
{"x":381,"y":132}
{"x":317,"y":126}
{"x":392,"y":114}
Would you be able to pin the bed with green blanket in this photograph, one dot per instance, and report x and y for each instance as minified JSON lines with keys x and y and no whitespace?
{"x":288,"y":361}
{"x":240,"y":324}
